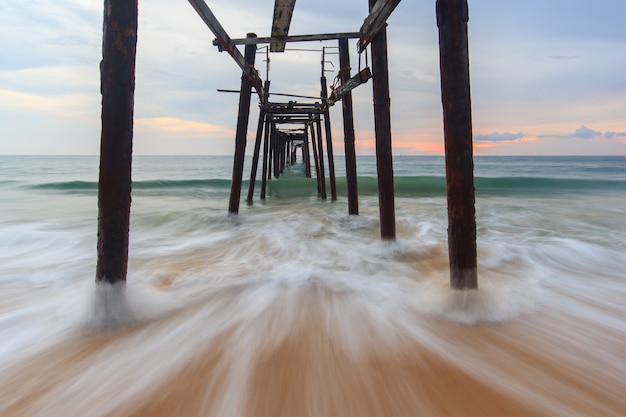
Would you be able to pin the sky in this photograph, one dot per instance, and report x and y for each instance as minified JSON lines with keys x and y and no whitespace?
{"x":547,"y":77}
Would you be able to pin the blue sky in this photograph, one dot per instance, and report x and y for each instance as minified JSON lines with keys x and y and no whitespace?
{"x":547,"y":77}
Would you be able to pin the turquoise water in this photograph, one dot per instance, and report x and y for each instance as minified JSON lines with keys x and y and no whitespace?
{"x":544,"y":224}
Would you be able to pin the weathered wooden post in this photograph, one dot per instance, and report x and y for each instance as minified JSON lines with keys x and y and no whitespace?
{"x":315,"y":155}
{"x":255,"y":156}
{"x":266,"y":160}
{"x":242,"y":130}
{"x":382,"y":127}
{"x":117,"y":86}
{"x":348,"y":130}
{"x":452,"y":18}
{"x":276,"y":152}
{"x":329,"y":141}
{"x":257,"y":145}
{"x":318,"y":125}
{"x":270,"y":159}
{"x":306,"y":154}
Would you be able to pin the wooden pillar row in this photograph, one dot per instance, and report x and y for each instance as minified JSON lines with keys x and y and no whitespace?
{"x":242,"y":130}
{"x":117,"y":86}
{"x":452,"y":18}
{"x":348,"y":130}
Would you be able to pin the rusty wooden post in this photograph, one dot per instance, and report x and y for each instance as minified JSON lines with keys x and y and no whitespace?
{"x":276,"y":152}
{"x":257,"y":146}
{"x":266,"y":160}
{"x":382,"y":127}
{"x":242,"y":130}
{"x":318,"y":125}
{"x":452,"y":18}
{"x":270,"y":156}
{"x":117,"y":86}
{"x":329,"y":143}
{"x":306,"y":154}
{"x":316,"y":157}
{"x":348,"y":130}
{"x":255,"y":156}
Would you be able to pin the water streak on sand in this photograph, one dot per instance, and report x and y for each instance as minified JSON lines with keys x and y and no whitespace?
{"x":295,"y":309}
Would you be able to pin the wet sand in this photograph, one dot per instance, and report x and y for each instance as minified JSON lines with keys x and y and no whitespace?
{"x":315,"y":351}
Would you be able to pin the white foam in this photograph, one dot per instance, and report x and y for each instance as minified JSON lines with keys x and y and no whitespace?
{"x":119,"y":304}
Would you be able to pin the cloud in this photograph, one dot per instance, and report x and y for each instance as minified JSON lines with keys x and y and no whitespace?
{"x":563,"y":57}
{"x":583,"y":132}
{"x":611,"y":135}
{"x":181,"y":126}
{"x":500,"y":137}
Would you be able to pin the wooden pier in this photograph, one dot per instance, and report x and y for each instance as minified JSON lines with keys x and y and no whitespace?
{"x":284,"y":127}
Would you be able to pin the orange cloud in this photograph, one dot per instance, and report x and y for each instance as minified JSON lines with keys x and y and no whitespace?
{"x":172,"y":124}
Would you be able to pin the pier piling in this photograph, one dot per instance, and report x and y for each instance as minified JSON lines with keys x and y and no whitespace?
{"x":329,"y":141}
{"x":452,"y":18}
{"x":348,"y":130}
{"x":242,"y":130}
{"x":117,"y":86}
{"x":382,"y":127}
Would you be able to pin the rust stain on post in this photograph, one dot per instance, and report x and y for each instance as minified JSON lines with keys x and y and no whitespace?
{"x":452,"y":18}
{"x":117,"y":85}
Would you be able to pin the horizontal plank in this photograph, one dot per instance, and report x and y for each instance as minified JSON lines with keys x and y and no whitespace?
{"x":360,"y":78}
{"x":376,"y":20}
{"x":293,"y":38}
{"x":283,"y":10}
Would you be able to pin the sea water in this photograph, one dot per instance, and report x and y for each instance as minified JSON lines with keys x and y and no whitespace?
{"x":295,"y":308}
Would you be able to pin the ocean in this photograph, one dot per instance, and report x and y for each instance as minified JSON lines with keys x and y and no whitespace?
{"x":294,"y":308}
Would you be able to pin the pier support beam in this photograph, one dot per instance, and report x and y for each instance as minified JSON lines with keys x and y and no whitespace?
{"x":117,"y":85}
{"x":329,"y":143}
{"x":318,"y":126}
{"x":306,"y":154}
{"x":263,"y":120}
{"x":382,"y":127}
{"x":242,"y":130}
{"x":348,"y":130}
{"x":266,"y":140}
{"x":452,"y":18}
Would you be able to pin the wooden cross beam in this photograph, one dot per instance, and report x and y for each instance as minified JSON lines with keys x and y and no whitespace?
{"x":375,"y":21}
{"x":293,"y":38}
{"x":283,"y":10}
{"x":226,"y":44}
{"x":360,"y":78}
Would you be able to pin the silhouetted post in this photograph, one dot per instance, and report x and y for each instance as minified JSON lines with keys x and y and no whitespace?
{"x":117,"y":86}
{"x":242,"y":130}
{"x":257,"y":145}
{"x":452,"y":18}
{"x":255,"y":156}
{"x":348,"y":130}
{"x":329,"y":143}
{"x":270,"y":158}
{"x":318,"y":125}
{"x":306,"y":154}
{"x":266,"y":139}
{"x":276,"y":152}
{"x":315,"y":156}
{"x":382,"y":127}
